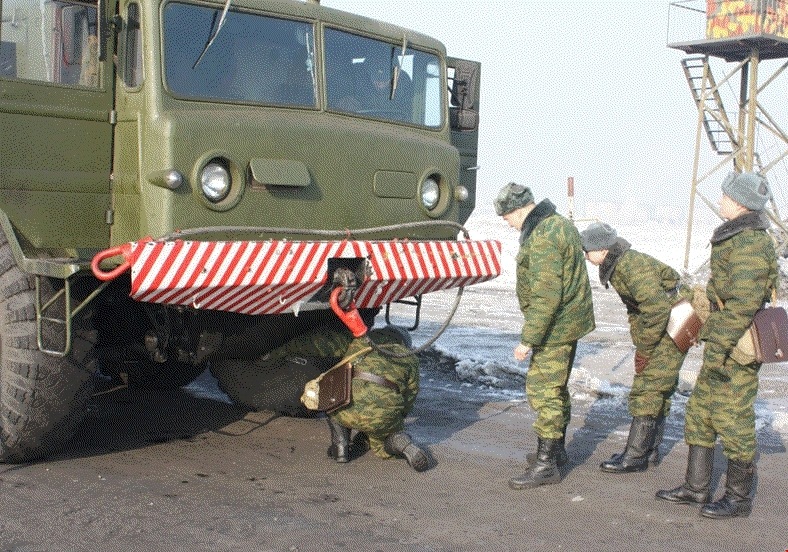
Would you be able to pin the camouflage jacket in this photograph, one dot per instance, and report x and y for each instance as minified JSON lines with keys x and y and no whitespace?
{"x":743,"y":275}
{"x":646,"y":286}
{"x":552,"y":280}
{"x":376,"y":409}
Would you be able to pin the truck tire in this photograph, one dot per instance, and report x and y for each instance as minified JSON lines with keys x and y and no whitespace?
{"x":42,"y":397}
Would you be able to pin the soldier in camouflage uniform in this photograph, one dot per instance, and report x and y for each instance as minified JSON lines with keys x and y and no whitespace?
{"x":555,"y":299}
{"x":648,"y":288}
{"x":743,"y":276}
{"x":384,"y":390}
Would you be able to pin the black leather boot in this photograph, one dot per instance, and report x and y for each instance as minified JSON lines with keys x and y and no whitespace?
{"x":695,"y":489}
{"x":738,"y":486}
{"x":340,"y":441}
{"x":642,"y":432}
{"x":400,"y":445}
{"x":544,"y":469}
{"x":359,"y":445}
{"x":655,"y":456}
{"x":561,"y":458}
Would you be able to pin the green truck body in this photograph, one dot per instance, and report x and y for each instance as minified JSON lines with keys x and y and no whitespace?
{"x":249,"y":120}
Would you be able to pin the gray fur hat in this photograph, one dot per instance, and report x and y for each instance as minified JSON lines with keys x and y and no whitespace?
{"x":748,"y":189}
{"x":511,"y":197}
{"x":598,"y":236}
{"x":391,"y":334}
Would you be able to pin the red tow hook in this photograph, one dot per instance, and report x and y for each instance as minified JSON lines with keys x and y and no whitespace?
{"x":350,"y":317}
{"x":123,"y":250}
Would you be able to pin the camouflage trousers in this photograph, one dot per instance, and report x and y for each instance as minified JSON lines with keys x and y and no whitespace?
{"x":723,"y":404}
{"x":377,"y":411}
{"x":546,"y":388}
{"x":654,"y":386}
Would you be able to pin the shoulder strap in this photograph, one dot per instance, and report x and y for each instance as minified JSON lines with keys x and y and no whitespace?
{"x":352,"y":357}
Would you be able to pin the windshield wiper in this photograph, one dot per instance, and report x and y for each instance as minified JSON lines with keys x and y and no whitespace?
{"x":396,"y":69}
{"x":215,"y":34}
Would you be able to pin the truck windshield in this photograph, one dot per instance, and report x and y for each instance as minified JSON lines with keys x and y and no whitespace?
{"x":377,"y":79}
{"x":253,"y":59}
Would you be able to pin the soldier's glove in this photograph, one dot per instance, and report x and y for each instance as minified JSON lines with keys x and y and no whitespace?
{"x":641,"y":361}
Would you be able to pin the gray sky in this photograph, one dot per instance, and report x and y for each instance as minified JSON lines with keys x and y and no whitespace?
{"x":587,"y":89}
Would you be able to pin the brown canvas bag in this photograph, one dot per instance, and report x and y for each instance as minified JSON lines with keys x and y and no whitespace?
{"x":332,"y":389}
{"x":684,"y":325}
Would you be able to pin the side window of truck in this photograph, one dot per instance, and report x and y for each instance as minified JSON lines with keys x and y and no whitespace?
{"x":54,"y":42}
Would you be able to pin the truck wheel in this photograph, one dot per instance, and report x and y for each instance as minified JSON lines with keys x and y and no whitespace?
{"x":42,"y":397}
{"x":264,"y":388}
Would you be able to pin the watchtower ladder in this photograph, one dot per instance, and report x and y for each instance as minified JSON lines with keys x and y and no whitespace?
{"x":705,"y":92}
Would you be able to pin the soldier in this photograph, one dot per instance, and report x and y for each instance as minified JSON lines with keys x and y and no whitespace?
{"x":648,"y":288}
{"x":384,"y":390}
{"x":743,"y":275}
{"x":555,"y":299}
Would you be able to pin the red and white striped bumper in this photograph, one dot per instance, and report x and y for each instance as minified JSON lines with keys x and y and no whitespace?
{"x":274,"y":277}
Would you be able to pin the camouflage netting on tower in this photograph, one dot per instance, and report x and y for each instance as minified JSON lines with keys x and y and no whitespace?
{"x":733,"y":18}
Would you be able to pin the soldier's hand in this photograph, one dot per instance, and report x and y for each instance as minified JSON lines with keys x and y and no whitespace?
{"x":641,"y":361}
{"x":521,"y":352}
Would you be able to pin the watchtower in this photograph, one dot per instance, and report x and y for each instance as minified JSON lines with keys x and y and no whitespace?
{"x":745,"y":40}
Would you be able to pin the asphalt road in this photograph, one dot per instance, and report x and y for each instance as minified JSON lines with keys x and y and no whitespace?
{"x":167,"y":471}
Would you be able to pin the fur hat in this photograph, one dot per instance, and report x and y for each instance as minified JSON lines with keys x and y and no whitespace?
{"x":598,"y":236}
{"x":391,"y":334}
{"x":748,"y":189}
{"x":511,"y":197}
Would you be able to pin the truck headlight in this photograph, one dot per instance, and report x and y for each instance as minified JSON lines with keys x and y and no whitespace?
{"x":430,"y":193}
{"x":215,"y":181}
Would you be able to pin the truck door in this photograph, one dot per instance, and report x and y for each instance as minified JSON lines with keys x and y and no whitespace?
{"x":55,"y":133}
{"x":463,"y":86}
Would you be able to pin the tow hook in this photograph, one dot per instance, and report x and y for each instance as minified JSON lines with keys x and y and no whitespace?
{"x":343,"y":304}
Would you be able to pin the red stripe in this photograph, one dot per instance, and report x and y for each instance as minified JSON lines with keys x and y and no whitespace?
{"x":227,"y":282}
{"x":278,"y":263}
{"x":241,"y":301}
{"x":244,"y":279}
{"x":316,"y":251}
{"x":157,"y":297}
{"x":482,"y":253}
{"x":187,"y":288}
{"x":441,"y":246}
{"x":474,"y":258}
{"x":197,"y":299}
{"x":497,"y":256}
{"x":149,"y":263}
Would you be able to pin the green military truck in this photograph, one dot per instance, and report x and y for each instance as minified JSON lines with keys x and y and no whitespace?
{"x":184,"y":183}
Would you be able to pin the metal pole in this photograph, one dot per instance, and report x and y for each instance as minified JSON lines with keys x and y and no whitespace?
{"x":698,"y":134}
{"x":570,"y":189}
{"x":752,"y":106}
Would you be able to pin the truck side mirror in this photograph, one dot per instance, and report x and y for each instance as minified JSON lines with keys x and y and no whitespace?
{"x":463,"y":110}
